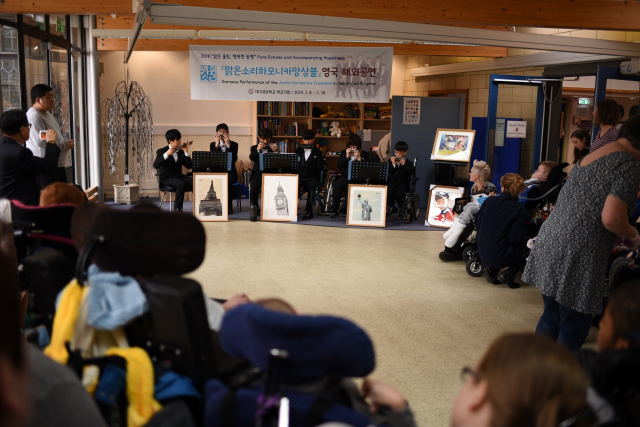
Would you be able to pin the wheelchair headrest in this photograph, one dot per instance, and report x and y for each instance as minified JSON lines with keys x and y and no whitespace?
{"x":136,"y":242}
{"x":53,"y":218}
{"x":317,"y":345}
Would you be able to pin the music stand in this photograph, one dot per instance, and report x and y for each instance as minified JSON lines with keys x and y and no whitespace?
{"x":212,"y":161}
{"x":279,"y":162}
{"x":368,"y":172}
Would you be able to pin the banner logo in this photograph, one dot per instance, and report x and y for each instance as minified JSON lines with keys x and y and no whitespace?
{"x":209,"y":73}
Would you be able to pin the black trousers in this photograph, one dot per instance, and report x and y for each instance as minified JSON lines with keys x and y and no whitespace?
{"x":396,"y":195}
{"x":339,"y":186}
{"x":256,"y":188}
{"x":60,"y":175}
{"x":309,"y":185}
{"x":182,"y":184}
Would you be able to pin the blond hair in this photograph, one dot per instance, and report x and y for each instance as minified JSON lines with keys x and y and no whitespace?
{"x":482,"y":168}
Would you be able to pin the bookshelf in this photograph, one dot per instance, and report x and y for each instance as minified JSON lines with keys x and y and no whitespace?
{"x":289,"y":119}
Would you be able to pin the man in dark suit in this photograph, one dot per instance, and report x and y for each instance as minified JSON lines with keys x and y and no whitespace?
{"x":350,"y":67}
{"x":375,"y":77}
{"x":169,"y":162}
{"x":255,"y":183}
{"x":399,"y":180}
{"x":353,"y":153}
{"x":359,"y":79}
{"x":18,"y":165}
{"x":222,"y":143}
{"x":382,"y":78}
{"x":310,"y":166}
{"x":340,"y":79}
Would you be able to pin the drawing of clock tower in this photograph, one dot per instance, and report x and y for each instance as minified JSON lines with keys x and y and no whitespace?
{"x":282,"y":207}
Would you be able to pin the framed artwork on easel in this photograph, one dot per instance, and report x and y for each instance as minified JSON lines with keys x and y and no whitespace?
{"x":440,"y":208}
{"x":453,"y":145}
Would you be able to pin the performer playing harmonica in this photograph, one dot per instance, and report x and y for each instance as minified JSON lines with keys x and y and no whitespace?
{"x":169,"y":162}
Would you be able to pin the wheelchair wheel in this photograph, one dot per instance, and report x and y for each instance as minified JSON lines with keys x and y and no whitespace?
{"x":475,"y":267}
{"x":322,"y":208}
{"x":408,"y":211}
{"x":416,"y":207}
{"x":468,"y":252}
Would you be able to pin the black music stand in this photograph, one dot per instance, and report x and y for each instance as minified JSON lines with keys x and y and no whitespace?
{"x":369,"y":173}
{"x":279,"y":162}
{"x":212,"y":161}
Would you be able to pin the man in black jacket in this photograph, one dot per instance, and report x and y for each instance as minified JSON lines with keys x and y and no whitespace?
{"x":310,"y":165}
{"x":264,"y":136}
{"x":222,"y":143}
{"x":169,"y":162}
{"x":399,"y":180}
{"x":353,"y":153}
{"x":18,"y":165}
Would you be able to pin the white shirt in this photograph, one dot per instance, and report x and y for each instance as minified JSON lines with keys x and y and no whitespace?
{"x":175,"y":155}
{"x":42,"y":121}
{"x":223,"y":147}
{"x":307,"y":153}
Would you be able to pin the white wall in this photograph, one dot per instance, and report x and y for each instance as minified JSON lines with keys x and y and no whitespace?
{"x":164,"y":76}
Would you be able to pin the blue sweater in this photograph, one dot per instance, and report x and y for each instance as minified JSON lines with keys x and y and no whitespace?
{"x":501,"y":224}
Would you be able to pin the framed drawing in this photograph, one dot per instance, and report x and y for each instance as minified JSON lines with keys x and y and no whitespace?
{"x":279,"y":197}
{"x":367,"y":205}
{"x":440,"y":207}
{"x":453,"y":145}
{"x":210,"y":196}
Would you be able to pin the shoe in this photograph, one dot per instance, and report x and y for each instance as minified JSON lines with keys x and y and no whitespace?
{"x":508,"y":277}
{"x":391,"y":210}
{"x":492,"y":276}
{"x":449,"y":256}
{"x":177,"y":210}
{"x":307,"y":215}
{"x":230,"y":211}
{"x":335,"y":215}
{"x":401,"y":216}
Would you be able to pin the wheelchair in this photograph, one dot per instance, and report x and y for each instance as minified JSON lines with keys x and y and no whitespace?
{"x":411,"y":205}
{"x":326,"y":195}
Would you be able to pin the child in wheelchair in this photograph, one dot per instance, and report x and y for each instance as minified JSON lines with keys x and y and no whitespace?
{"x":399,"y":182}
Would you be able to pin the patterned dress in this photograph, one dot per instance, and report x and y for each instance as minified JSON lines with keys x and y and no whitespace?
{"x":569,"y":259}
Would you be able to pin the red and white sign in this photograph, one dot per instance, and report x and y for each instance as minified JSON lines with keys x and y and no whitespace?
{"x":516,"y":129}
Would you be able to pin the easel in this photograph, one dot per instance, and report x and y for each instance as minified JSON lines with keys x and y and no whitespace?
{"x":450,"y":181}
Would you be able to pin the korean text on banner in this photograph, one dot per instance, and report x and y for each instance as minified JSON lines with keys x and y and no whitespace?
{"x":249,"y":73}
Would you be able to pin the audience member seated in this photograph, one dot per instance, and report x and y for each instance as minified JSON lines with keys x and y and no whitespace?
{"x":581,"y":140}
{"x":323,"y":352}
{"x":479,"y":175}
{"x":501,"y":224}
{"x":61,"y":192}
{"x":400,"y":171}
{"x":463,"y":223}
{"x":18,"y":166}
{"x":169,"y":162}
{"x":523,"y":380}
{"x":614,"y":394}
{"x":353,"y":153}
{"x":35,"y":390}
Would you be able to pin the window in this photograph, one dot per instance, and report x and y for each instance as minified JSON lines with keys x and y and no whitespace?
{"x":9,"y":39}
{"x":9,"y":68}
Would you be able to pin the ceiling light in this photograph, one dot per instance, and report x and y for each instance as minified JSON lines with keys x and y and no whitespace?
{"x":250,"y":35}
{"x":351,"y":39}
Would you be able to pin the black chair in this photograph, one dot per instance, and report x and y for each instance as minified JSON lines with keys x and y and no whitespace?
{"x":168,"y":189}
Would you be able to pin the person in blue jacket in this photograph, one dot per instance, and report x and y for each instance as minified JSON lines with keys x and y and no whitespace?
{"x":501,"y":224}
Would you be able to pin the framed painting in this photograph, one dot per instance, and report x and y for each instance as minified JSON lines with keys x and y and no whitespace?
{"x":440,"y":207}
{"x":367,"y":205}
{"x":279,"y":197}
{"x":453,"y":145}
{"x":210,"y":196}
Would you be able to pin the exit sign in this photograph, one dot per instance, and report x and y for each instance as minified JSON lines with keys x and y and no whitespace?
{"x":584,"y":101}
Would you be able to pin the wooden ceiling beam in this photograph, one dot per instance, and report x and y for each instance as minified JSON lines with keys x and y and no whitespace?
{"x":398,"y":49}
{"x":582,"y":14}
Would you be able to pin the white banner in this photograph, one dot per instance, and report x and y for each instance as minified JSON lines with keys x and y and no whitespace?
{"x":250,"y":73}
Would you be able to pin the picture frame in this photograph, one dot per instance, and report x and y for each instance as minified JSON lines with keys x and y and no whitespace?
{"x":440,"y":211}
{"x":453,"y":145}
{"x":367,"y":205}
{"x":211,"y":196}
{"x":279,"y":197}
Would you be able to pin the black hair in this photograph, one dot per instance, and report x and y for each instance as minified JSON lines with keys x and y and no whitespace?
{"x":630,"y":130}
{"x":172,"y":135}
{"x":222,"y":126}
{"x":10,"y":343}
{"x":581,"y":134}
{"x":401,"y":146}
{"x":39,"y":91}
{"x":354,"y":139}
{"x":308,"y":134}
{"x":624,"y":308}
{"x":11,"y":121}
{"x":265,"y":133}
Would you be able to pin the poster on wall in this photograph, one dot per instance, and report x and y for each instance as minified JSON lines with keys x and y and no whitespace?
{"x":453,"y":145}
{"x":440,"y":207}
{"x":411,"y":111}
{"x":248,"y":73}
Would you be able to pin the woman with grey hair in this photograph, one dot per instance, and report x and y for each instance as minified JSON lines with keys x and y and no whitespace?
{"x":569,"y":259}
{"x":479,"y":175}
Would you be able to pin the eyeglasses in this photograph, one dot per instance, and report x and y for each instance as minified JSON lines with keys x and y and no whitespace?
{"x":27,"y":125}
{"x":467,"y":372}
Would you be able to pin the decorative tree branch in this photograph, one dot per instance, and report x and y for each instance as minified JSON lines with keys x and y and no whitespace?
{"x":129,"y":120}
